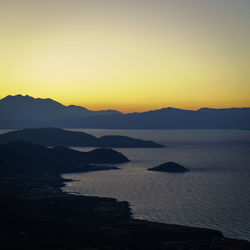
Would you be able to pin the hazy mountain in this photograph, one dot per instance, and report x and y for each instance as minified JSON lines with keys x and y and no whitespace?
{"x":25,"y":111}
{"x":170,"y":118}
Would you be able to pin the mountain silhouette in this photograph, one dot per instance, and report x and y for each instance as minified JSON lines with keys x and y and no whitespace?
{"x":170,"y":118}
{"x":61,"y":137}
{"x":25,"y":111}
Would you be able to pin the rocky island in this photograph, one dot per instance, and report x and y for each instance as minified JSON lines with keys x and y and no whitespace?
{"x":36,"y":214}
{"x":61,"y":137}
{"x":171,"y":167}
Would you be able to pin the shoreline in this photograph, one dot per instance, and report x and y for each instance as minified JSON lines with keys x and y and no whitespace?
{"x":132,"y":215}
{"x":35,"y":212}
{"x":53,"y":219}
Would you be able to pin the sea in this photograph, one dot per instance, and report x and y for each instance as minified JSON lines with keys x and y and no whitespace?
{"x":214,"y":194}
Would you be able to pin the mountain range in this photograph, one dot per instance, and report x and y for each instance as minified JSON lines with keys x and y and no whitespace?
{"x":25,"y":111}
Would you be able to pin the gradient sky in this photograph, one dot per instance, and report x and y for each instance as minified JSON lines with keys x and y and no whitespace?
{"x":130,"y":55}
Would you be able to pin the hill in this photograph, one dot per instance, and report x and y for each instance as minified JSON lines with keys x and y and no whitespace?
{"x":170,"y":167}
{"x":61,"y":137}
{"x":26,"y":158}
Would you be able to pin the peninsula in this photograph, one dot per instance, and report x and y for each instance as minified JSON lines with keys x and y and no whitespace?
{"x":61,"y":137}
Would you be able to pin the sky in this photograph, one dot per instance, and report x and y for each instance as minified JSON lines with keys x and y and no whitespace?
{"x":129,"y":55}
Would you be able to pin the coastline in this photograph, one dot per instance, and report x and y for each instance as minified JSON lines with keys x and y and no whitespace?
{"x":53,"y":219}
{"x":36,"y":214}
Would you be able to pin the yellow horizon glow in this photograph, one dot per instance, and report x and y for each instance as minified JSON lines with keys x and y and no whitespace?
{"x":125,"y":56}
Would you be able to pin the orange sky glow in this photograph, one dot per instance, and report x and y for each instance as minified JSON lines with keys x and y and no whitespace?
{"x":127,"y":55}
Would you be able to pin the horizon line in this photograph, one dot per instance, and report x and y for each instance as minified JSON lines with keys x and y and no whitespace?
{"x":142,"y":111}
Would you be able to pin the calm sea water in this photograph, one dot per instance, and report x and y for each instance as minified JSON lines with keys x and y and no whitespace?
{"x":214,"y":194}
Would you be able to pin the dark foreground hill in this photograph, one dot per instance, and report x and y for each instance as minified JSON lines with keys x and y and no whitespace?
{"x":61,"y":137}
{"x":31,"y":166}
{"x":63,"y":221}
{"x":26,"y":158}
{"x":35,"y":214}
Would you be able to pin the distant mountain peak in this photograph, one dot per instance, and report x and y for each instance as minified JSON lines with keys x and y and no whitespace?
{"x":12,"y":98}
{"x":205,"y":109}
{"x":76,"y":107}
{"x":167,"y":109}
{"x":171,"y":109}
{"x":21,"y":99}
{"x":27,"y":111}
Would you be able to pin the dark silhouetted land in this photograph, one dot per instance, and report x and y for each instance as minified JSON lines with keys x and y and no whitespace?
{"x":61,"y":137}
{"x":24,"y":157}
{"x":28,"y":112}
{"x":25,"y":111}
{"x":36,"y":214}
{"x":171,"y":167}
